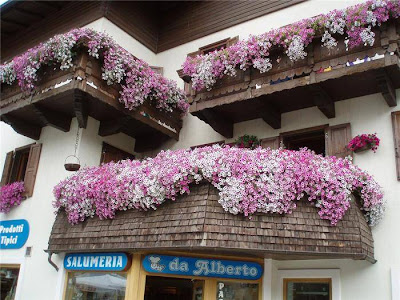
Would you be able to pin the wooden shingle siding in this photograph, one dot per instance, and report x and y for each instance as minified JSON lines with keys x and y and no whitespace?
{"x":198,"y":222}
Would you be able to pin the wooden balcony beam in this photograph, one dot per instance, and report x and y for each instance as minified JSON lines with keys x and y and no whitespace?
{"x":113,"y":126}
{"x":30,"y":130}
{"x":386,"y":88}
{"x":323,"y":101}
{"x":271,"y":115}
{"x":81,"y":109}
{"x":52,"y":118}
{"x":218,"y":122}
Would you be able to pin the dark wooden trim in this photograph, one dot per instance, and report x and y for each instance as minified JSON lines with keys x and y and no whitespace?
{"x":30,"y":130}
{"x":52,"y":118}
{"x":271,"y":115}
{"x":219,"y":123}
{"x":386,"y":87}
{"x":113,"y":126}
{"x":323,"y":101}
{"x":396,"y":140}
{"x":81,"y":109}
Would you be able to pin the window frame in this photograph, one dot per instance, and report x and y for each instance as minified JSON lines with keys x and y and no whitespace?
{"x":306,"y":280}
{"x":17,"y":165}
{"x":108,"y":146}
{"x":333,"y":274}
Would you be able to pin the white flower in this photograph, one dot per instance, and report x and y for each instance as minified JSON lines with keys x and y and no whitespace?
{"x":328,"y":40}
{"x":367,"y":36}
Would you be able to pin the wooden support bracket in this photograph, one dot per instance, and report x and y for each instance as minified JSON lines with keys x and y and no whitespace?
{"x":81,"y":108}
{"x":323,"y":101}
{"x":113,"y":126}
{"x":30,"y":130}
{"x":271,"y":115}
{"x":52,"y":118}
{"x":386,"y":87}
{"x":219,"y":123}
{"x":149,"y":142}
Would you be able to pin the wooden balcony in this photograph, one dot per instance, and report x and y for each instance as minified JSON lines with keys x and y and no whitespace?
{"x":80,"y":92}
{"x":321,"y":79}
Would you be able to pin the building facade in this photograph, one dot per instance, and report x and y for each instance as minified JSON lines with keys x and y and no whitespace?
{"x":192,"y":248}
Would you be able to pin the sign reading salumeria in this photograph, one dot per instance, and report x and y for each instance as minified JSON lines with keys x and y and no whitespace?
{"x":96,"y":262}
{"x":204,"y":267}
{"x":13,"y":234}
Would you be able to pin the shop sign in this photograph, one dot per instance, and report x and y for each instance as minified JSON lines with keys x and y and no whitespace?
{"x":203,"y":267}
{"x":96,"y":262}
{"x":13,"y":233}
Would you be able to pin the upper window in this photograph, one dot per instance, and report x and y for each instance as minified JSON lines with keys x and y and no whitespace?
{"x":111,"y":153}
{"x":215,"y":46}
{"x":9,"y":280}
{"x":21,"y":165}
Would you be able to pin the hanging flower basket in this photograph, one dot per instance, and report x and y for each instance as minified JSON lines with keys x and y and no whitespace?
{"x":72,"y":163}
{"x":364,"y":142}
{"x":247,"y":141}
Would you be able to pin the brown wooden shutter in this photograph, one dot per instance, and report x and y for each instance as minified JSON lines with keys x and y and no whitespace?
{"x":31,"y":168}
{"x":5,"y":177}
{"x":337,"y":138}
{"x":396,"y":137}
{"x":232,"y":41}
{"x":272,"y":143}
{"x":111,"y":153}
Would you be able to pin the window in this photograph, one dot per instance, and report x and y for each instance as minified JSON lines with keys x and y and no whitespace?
{"x":325,"y":140}
{"x":21,"y":165}
{"x":96,"y":285}
{"x":208,"y":144}
{"x":215,"y":46}
{"x":313,"y":139}
{"x":9,"y":280}
{"x":230,"y":290}
{"x":158,"y":287}
{"x":307,"y":289}
{"x":111,"y":153}
{"x":159,"y":70}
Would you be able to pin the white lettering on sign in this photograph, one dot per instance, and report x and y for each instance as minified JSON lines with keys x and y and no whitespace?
{"x":175,"y":265}
{"x":101,"y":261}
{"x":12,"y":229}
{"x":204,"y":267}
{"x":9,"y":240}
{"x":221,"y":292}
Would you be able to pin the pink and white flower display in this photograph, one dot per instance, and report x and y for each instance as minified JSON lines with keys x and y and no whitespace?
{"x":138,"y":81}
{"x":364,"y":141}
{"x":355,"y":23}
{"x":11,"y":195}
{"x":249,"y":182}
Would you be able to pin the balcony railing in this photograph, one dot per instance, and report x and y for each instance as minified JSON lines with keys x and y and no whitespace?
{"x":322,"y":78}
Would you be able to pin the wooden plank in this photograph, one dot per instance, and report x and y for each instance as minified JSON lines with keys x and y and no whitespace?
{"x":30,"y":130}
{"x":52,"y":118}
{"x":386,"y":87}
{"x":271,"y":115}
{"x":220,"y":124}
{"x":323,"y":100}
{"x":396,"y":139}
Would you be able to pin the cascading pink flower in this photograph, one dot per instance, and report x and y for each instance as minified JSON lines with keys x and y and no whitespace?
{"x":249,"y":181}
{"x":139,"y":83}
{"x":11,"y":195}
{"x":355,"y":22}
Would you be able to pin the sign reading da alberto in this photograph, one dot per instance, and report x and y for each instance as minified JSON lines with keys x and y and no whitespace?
{"x":13,"y":234}
{"x":203,"y":267}
{"x":97,"y":262}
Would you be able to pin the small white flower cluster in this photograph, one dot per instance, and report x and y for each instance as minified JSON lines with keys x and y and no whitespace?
{"x":204,"y":73}
{"x":328,"y":40}
{"x":378,"y":3}
{"x":295,"y":50}
{"x":371,"y":19}
{"x":62,"y":45}
{"x":7,"y":73}
{"x":262,"y":64}
{"x":368,"y":36}
{"x":336,"y":24}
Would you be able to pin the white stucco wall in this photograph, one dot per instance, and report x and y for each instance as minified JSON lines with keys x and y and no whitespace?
{"x":39,"y":278}
{"x":358,"y":279}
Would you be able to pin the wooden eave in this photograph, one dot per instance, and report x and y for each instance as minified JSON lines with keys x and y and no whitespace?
{"x":198,"y":223}
{"x":321,"y":79}
{"x":80,"y":92}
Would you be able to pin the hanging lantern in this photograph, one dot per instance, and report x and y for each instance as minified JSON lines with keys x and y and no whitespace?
{"x":72,"y":162}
